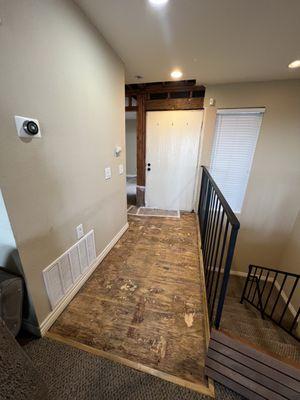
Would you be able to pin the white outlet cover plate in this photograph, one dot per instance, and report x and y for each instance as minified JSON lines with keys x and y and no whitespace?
{"x":19,"y":125}
{"x":107,"y":173}
{"x":121,"y":169}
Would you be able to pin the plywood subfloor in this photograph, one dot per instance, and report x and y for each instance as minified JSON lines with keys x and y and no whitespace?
{"x":143,"y":302}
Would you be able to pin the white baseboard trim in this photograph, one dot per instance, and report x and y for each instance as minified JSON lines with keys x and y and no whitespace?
{"x":232,"y":272}
{"x":54,"y":314}
{"x":131,"y":176}
{"x":239,"y":273}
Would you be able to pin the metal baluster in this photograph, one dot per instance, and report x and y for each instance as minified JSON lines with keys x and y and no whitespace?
{"x":217,"y":250}
{"x":295,"y":321}
{"x":220,"y":266}
{"x":279,"y":294}
{"x":201,"y":210}
{"x":229,"y":257}
{"x":208,"y":224}
{"x":252,"y":281}
{"x":263,"y":289}
{"x":206,"y":212}
{"x":289,"y":299}
{"x":246,"y":283}
{"x":257,"y":285}
{"x":209,"y":235}
{"x":213,"y":242}
{"x":270,"y":292}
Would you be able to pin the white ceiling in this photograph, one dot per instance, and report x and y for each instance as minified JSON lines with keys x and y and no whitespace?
{"x":213,"y":41}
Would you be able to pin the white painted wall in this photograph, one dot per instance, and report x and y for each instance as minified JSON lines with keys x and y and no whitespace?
{"x":272,"y":197}
{"x":56,"y":67}
{"x":131,"y":150}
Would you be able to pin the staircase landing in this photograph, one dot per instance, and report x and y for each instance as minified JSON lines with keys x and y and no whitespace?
{"x":244,"y":321}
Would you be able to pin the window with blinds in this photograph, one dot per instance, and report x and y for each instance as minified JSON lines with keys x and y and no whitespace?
{"x":235,"y":139}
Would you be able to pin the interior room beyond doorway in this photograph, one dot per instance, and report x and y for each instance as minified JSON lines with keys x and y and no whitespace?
{"x":131,"y":156}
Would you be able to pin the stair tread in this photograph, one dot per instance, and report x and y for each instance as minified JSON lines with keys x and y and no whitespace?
{"x":265,"y":342}
{"x":263,"y":323}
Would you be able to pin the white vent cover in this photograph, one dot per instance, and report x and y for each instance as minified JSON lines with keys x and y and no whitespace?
{"x":64,"y":272}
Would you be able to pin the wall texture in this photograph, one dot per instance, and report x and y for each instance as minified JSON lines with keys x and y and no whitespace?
{"x":291,"y":256}
{"x":273,"y":195}
{"x":131,"y":146}
{"x":57,"y":68}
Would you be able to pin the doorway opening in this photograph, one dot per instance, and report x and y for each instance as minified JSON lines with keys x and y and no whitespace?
{"x":168,"y":125}
{"x":131,"y":156}
{"x":172,"y":153}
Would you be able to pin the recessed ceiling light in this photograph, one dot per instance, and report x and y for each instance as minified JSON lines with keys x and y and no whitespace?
{"x":295,"y":64}
{"x":158,"y":2}
{"x":176,"y":74}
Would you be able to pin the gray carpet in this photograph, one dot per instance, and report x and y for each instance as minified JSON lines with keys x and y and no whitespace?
{"x":76,"y":375}
{"x":19,"y":379}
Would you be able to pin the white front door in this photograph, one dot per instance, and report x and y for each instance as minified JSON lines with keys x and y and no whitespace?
{"x":172,"y":140}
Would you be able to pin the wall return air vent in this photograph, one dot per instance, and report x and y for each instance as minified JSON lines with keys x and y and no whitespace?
{"x":63,"y":274}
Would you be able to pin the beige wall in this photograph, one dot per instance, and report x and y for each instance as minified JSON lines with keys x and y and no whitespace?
{"x":56,"y":67}
{"x":291,"y":257}
{"x":131,"y":146}
{"x":273,"y":194}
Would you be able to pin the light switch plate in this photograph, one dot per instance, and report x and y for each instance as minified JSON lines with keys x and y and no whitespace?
{"x":121,"y":169}
{"x":79,"y":231}
{"x":107,"y":173}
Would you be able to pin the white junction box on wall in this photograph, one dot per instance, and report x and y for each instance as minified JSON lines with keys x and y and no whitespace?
{"x":28,"y":127}
{"x":121,"y":169}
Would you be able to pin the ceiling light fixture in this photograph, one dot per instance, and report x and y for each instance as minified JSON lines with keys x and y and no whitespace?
{"x":176,"y":74}
{"x":158,"y":2}
{"x":294,"y":64}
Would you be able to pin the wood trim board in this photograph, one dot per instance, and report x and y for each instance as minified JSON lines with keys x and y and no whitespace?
{"x":200,"y":388}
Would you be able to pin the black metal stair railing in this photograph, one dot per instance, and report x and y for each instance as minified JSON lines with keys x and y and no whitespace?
{"x":218,"y":230}
{"x":275,"y":295}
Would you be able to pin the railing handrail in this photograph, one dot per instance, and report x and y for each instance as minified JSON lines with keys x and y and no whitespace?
{"x":279,"y":271}
{"x":219,"y":228}
{"x":265,"y":305}
{"x":231,"y":215}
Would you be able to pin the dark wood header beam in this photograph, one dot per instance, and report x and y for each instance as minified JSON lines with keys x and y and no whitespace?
{"x":174,"y":104}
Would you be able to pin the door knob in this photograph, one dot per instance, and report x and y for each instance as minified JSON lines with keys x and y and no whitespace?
{"x":148,"y":169}
{"x":149,"y":165}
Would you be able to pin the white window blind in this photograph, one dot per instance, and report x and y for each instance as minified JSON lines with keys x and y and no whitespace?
{"x":235,"y":139}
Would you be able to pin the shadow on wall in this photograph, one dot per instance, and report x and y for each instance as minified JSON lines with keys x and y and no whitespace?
{"x":255,"y":247}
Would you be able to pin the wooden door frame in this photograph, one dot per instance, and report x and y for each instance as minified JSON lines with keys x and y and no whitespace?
{"x":141,"y":93}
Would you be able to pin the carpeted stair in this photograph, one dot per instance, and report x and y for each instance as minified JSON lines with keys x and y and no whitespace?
{"x":243,"y":320}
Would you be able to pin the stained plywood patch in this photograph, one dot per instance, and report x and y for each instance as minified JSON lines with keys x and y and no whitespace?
{"x":143,"y":303}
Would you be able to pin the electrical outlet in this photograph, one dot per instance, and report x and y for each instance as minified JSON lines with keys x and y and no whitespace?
{"x":107,"y":173}
{"x":79,"y":231}
{"x":121,"y":169}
